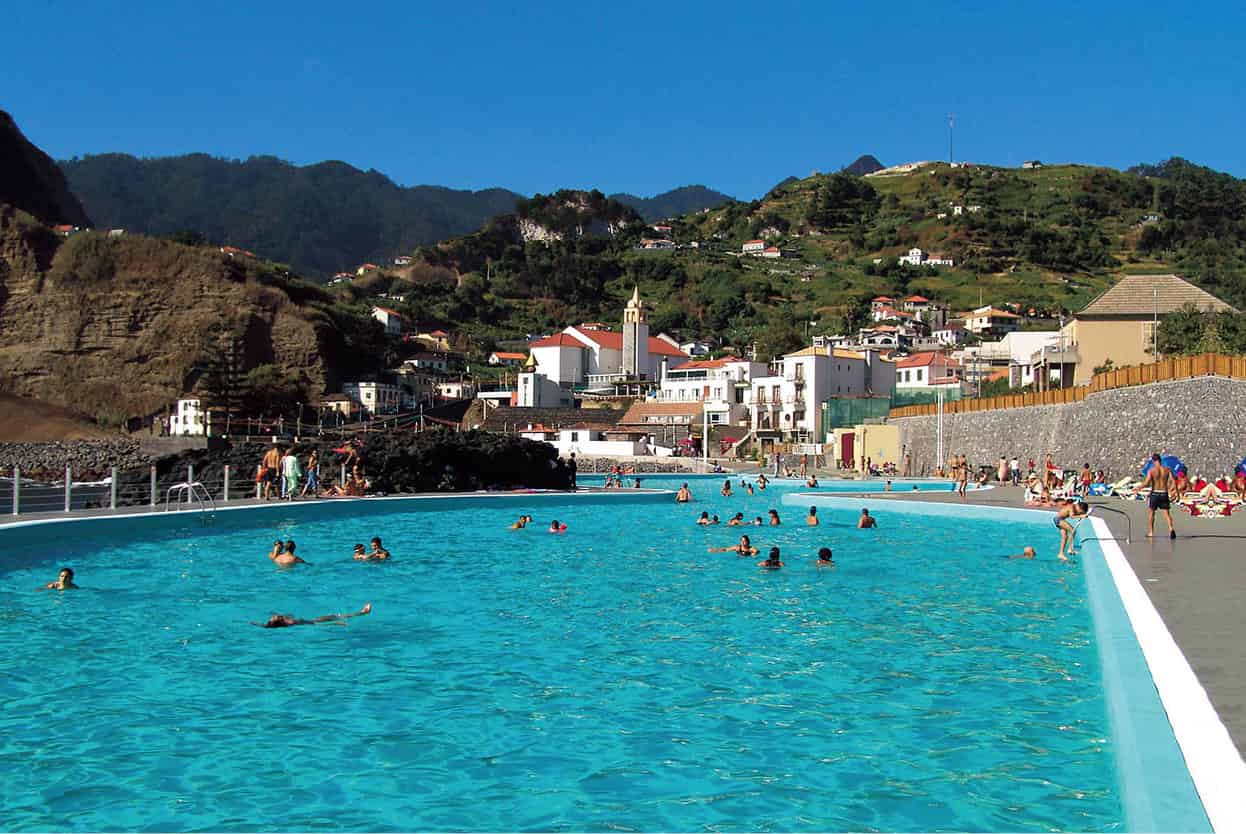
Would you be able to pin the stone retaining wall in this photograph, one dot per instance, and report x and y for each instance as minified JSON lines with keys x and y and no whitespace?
{"x":1203,"y":421}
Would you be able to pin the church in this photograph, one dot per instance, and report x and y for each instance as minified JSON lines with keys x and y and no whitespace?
{"x":591,"y":355}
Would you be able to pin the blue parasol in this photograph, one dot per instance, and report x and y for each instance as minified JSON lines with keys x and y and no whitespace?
{"x":1241,"y":467}
{"x":1171,"y":461}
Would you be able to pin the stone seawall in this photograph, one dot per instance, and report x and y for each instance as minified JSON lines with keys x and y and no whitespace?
{"x":1203,"y":421}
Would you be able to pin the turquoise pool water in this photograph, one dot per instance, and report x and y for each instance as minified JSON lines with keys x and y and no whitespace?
{"x":616,"y":676}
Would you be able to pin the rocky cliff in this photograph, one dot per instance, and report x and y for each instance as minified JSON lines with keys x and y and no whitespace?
{"x":30,"y":180}
{"x":117,"y":326}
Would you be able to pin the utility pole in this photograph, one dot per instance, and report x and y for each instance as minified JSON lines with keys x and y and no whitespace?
{"x":949,"y":138}
{"x":1155,"y":324}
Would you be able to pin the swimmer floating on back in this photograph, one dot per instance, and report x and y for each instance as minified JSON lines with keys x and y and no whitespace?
{"x":287,"y":620}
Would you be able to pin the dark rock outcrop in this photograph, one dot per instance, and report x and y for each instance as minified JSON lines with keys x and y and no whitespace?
{"x":30,"y":180}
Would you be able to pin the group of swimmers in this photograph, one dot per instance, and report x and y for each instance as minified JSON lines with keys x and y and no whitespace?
{"x":745,"y":547}
{"x":555,"y":526}
{"x":283,"y":555}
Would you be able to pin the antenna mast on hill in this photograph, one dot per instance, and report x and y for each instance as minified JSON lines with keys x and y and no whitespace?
{"x":949,"y":138}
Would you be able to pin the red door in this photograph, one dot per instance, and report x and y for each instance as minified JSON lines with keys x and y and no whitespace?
{"x":846,"y":441}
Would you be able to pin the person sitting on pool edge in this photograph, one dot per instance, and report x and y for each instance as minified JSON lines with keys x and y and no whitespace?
{"x":64,"y":581}
{"x":744,"y":548}
{"x":283,"y":555}
{"x":812,"y":518}
{"x":287,"y":620}
{"x":774,"y":518}
{"x":866,"y":520}
{"x":824,"y":558}
{"x":771,"y":562}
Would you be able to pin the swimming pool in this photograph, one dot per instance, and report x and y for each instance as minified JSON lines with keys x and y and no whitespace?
{"x":614,"y":676}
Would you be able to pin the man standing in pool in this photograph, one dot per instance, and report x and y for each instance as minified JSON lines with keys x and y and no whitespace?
{"x":64,"y":581}
{"x":771,"y":562}
{"x":684,"y":495}
{"x":812,"y":518}
{"x":866,"y":521}
{"x":287,"y":620}
{"x":1159,"y":479}
{"x":283,"y":555}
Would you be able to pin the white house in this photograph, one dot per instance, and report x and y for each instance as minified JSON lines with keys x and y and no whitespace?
{"x":1014,"y":351}
{"x":586,"y":439}
{"x":753,"y":247}
{"x":506,"y":359}
{"x":988,"y":321}
{"x":695,"y":349}
{"x":788,"y":401}
{"x":1031,"y":163}
{"x":454,"y":389}
{"x":771,"y":252}
{"x":722,"y":386}
{"x":926,"y":371}
{"x":189,"y":419}
{"x":916,"y":257}
{"x":535,"y":390}
{"x":374,"y":397}
{"x":429,"y":362}
{"x":393,"y":321}
{"x":402,"y":260}
{"x":950,"y":334}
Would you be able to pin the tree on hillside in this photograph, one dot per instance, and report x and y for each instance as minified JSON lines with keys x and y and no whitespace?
{"x":271,"y":391}
{"x":222,"y":371}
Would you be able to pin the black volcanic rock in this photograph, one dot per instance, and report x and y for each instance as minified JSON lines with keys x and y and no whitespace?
{"x":30,"y":180}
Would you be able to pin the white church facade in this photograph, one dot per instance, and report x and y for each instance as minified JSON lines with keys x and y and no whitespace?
{"x":591,"y":354}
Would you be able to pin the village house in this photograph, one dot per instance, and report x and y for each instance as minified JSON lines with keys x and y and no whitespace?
{"x":1031,"y":163}
{"x":771,"y":252}
{"x":374,"y":398}
{"x":662,"y":243}
{"x":927,"y":371}
{"x":787,"y":402}
{"x":916,"y":257}
{"x":951,"y":334}
{"x":506,"y":359}
{"x":189,"y":419}
{"x":753,"y":247}
{"x":65,"y":230}
{"x":402,"y":260}
{"x":393,"y":321}
{"x":722,"y":386}
{"x":364,"y":269}
{"x":341,"y":277}
{"x":1119,"y":324}
{"x":988,"y":322}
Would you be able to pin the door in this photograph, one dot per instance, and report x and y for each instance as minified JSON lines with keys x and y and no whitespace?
{"x":846,"y":441}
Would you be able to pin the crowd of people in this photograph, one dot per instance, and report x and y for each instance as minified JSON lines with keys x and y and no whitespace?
{"x":284,"y":475}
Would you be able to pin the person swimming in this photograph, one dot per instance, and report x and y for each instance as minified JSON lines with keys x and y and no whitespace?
{"x":771,"y":562}
{"x":824,"y":558}
{"x":866,"y":521}
{"x":812,"y":482}
{"x":750,"y":490}
{"x":726,"y":490}
{"x":522,"y":522}
{"x":812,"y":518}
{"x":704,"y":519}
{"x":757,"y":522}
{"x":737,"y":520}
{"x":743,"y":548}
{"x":64,"y":581}
{"x":774,"y":518}
{"x":684,"y":495}
{"x":715,"y":520}
{"x":283,"y":555}
{"x":1027,"y":552}
{"x":287,"y":620}
{"x":379,"y":552}
{"x":556,"y":527}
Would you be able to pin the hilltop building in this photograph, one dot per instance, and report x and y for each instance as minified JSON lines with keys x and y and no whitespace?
{"x":1119,"y":324}
{"x":916,"y":257}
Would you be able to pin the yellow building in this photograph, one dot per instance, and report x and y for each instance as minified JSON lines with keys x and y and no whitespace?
{"x":852,"y":446}
{"x":1119,"y":324}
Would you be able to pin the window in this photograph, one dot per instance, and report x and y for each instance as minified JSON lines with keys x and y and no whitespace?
{"x":800,"y":371}
{"x":575,"y":436}
{"x":1148,"y":336}
{"x":919,"y":374}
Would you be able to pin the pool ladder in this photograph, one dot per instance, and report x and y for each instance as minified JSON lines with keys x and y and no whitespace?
{"x":188,"y":495}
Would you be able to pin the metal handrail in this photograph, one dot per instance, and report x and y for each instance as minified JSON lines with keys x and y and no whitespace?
{"x":190,"y":492}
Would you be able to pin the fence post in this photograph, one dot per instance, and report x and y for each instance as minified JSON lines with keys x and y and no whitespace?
{"x":17,"y":490}
{"x":190,"y":473}
{"x":343,"y":481}
{"x":153,"y":486}
{"x":225,"y":497}
{"x":112,"y":492}
{"x":68,"y":486}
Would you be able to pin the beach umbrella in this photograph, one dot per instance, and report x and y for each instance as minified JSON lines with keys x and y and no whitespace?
{"x":1171,"y":461}
{"x":1241,"y":466}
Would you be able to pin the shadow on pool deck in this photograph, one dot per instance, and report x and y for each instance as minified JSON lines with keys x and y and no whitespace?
{"x":1197,"y":583}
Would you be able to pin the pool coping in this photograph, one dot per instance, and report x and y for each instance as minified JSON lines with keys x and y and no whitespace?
{"x":1212,"y":760}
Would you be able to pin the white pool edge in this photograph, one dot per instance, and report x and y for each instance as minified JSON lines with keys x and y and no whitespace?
{"x":1215,"y":766}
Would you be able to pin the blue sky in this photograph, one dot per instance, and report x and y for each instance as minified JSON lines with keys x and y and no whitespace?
{"x":628,"y":97}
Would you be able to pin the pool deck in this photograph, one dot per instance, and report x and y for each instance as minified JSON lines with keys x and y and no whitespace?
{"x":1197,"y":583}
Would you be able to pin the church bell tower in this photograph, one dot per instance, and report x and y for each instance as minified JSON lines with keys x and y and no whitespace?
{"x":635,"y":338}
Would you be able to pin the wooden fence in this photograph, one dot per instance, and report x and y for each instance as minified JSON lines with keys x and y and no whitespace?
{"x":1179,"y":367}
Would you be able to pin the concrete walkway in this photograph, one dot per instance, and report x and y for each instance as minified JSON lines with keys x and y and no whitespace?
{"x":1197,"y":582}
